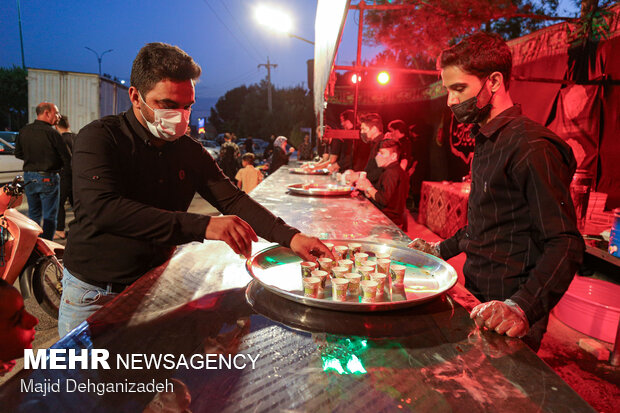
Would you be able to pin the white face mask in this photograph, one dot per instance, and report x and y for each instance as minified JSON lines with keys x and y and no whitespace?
{"x":169,"y":124}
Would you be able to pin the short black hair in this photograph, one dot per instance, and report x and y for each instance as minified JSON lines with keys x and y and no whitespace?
{"x":480,"y":54}
{"x":391,"y":144}
{"x":158,"y":61}
{"x":349,"y":115}
{"x":398,"y":125}
{"x":372,"y":119}
{"x":63,"y":122}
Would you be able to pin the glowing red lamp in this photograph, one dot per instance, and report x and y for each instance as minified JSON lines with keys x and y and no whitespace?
{"x":383,"y":77}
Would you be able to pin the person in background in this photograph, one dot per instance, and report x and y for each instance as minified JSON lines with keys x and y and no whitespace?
{"x":280,"y":154}
{"x":249,"y":144}
{"x":521,"y":240}
{"x":248,"y":176}
{"x":340,"y":150}
{"x":397,"y":130}
{"x":389,"y":194}
{"x":305,"y":150}
{"x":16,"y":327}
{"x":229,"y":157}
{"x":45,"y":155}
{"x":371,"y":131}
{"x":66,"y":182}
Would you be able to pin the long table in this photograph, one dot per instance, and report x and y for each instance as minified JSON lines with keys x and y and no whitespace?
{"x":428,"y":357}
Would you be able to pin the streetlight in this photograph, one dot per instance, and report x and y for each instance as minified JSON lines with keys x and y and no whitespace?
{"x":99,"y":57}
{"x":277,"y":20}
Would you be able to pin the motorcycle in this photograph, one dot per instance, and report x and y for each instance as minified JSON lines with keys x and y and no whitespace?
{"x":36,"y":261}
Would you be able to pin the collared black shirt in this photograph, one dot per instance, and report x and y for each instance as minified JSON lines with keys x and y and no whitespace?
{"x":521,"y":239}
{"x":42,"y":148}
{"x":343,"y":148}
{"x":131,"y":199}
{"x":373,"y":172}
{"x":392,"y":190}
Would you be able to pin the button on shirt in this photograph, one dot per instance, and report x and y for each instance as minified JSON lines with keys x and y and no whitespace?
{"x":42,"y":148}
{"x":131,"y":200}
{"x":521,"y":238}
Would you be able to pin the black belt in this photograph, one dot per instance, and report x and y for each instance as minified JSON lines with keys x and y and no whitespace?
{"x":116,"y":288}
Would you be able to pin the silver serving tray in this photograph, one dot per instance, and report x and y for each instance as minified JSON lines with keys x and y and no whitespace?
{"x":320,"y":189}
{"x":301,"y":171}
{"x":427,"y":277}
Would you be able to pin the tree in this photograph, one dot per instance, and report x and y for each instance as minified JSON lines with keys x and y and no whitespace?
{"x":13,"y":98}
{"x":421,"y":31}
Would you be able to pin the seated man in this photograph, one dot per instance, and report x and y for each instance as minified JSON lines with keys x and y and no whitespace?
{"x":16,"y":327}
{"x":390,"y":192}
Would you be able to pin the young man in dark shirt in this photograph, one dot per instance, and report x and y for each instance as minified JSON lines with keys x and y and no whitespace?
{"x":389,"y":194}
{"x":521,"y":240}
{"x":134,"y":177}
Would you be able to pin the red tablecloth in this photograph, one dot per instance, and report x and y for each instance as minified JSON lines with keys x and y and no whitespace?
{"x":443,"y":206}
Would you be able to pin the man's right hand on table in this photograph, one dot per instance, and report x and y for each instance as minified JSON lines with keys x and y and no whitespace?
{"x":424,"y":246}
{"x":234,"y":231}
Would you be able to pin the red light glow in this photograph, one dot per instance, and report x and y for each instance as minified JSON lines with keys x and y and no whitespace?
{"x":383,"y":78}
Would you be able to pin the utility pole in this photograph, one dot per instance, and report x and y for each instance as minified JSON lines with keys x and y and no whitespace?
{"x":21,"y":37}
{"x":268,"y":66}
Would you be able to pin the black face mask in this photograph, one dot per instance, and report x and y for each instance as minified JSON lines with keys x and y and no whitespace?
{"x":364,"y":137}
{"x":469,"y":112}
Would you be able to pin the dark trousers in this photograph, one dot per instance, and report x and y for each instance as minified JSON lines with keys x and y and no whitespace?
{"x":66,"y":193}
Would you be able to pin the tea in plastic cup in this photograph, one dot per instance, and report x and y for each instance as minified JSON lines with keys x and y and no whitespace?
{"x":383,"y":265}
{"x":398,"y":273}
{"x":346,"y":263}
{"x":366,"y":271}
{"x":372,"y":264}
{"x":354,"y":283}
{"x":382,"y":255}
{"x":329,"y":246}
{"x":360,"y":259}
{"x":322,"y":275}
{"x":380,"y":278}
{"x":311,"y":286}
{"x":339,"y":272}
{"x":354,"y":248}
{"x":306,"y":268}
{"x":369,"y":290}
{"x":340,"y":252}
{"x":339,"y":289}
{"x":326,"y":264}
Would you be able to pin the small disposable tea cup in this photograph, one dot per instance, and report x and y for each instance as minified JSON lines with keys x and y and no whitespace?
{"x":366,"y":271}
{"x":371,"y":264}
{"x":329,"y":246}
{"x":354,"y":248}
{"x":383,"y":265}
{"x":340,"y":251}
{"x":398,"y":273}
{"x":360,"y":259}
{"x":326,"y":264}
{"x":354,"y":283}
{"x":311,"y":286}
{"x":322,"y":275}
{"x":382,"y":255}
{"x":380,"y":279}
{"x":339,"y":272}
{"x":306,"y":268}
{"x":369,"y":290}
{"x":339,"y":289}
{"x":346,"y":263}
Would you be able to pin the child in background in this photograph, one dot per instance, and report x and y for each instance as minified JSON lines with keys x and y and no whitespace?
{"x":16,"y":327}
{"x":248,"y":177}
{"x":392,"y":188}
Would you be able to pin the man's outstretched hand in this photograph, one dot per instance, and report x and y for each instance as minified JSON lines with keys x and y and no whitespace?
{"x":501,"y":318}
{"x":309,"y":248}
{"x":234,"y":231}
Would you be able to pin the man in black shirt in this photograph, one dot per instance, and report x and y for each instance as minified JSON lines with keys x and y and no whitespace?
{"x":134,"y":176}
{"x":45,"y":155}
{"x":66,"y":182}
{"x":389,"y":194}
{"x":521,"y":240}
{"x":371,"y":132}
